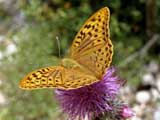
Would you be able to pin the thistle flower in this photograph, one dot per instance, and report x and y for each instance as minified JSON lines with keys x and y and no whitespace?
{"x":126,"y":112}
{"x":120,"y":110}
{"x":92,"y":100}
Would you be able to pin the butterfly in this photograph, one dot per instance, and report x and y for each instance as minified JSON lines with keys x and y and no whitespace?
{"x":90,"y":56}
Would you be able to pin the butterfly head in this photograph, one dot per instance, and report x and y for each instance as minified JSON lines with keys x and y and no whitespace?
{"x":69,"y":63}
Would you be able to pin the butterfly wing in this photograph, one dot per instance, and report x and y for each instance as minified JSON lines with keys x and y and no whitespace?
{"x":56,"y":77}
{"x":92,"y":46}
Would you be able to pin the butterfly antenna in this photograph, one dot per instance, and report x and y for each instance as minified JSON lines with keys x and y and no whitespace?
{"x":58,"y":43}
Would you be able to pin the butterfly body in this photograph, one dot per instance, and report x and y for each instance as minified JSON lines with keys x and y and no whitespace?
{"x":91,"y":55}
{"x":69,"y":63}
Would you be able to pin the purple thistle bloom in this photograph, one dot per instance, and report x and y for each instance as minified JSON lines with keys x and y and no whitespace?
{"x":120,"y":110}
{"x":126,"y":112}
{"x":90,"y":101}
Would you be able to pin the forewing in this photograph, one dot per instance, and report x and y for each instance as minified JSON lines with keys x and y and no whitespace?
{"x":49,"y":77}
{"x":56,"y":77}
{"x":92,"y":46}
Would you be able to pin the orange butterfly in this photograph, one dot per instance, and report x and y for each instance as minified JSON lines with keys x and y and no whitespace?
{"x":91,"y":55}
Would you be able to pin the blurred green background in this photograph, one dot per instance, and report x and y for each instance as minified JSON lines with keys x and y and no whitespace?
{"x":28,"y":30}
